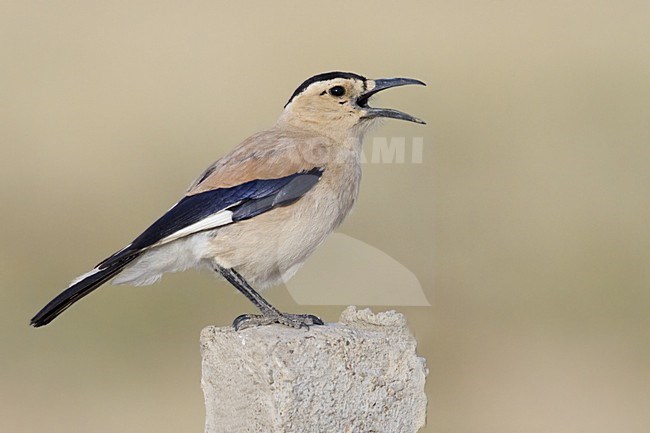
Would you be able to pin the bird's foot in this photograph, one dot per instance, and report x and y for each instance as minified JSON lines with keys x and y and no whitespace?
{"x":292,"y":320}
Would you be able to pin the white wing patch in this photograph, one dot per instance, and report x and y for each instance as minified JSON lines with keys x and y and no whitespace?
{"x":83,"y":277}
{"x":220,"y":218}
{"x":135,"y":275}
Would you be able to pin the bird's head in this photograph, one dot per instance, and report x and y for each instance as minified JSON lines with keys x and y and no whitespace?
{"x":339,"y":101}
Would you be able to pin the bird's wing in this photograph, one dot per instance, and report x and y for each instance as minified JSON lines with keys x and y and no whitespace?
{"x":217,"y":207}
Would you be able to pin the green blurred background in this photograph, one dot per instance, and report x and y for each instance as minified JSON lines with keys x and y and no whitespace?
{"x":526,"y":223}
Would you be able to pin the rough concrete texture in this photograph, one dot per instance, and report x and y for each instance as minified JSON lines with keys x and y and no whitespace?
{"x":359,"y":375}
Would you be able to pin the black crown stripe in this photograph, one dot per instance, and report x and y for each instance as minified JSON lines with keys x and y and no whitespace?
{"x":323,"y":77}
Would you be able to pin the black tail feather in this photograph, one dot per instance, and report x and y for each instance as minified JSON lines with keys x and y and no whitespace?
{"x":77,"y":291}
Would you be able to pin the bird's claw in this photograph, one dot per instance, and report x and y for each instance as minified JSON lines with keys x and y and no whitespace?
{"x":291,"y":320}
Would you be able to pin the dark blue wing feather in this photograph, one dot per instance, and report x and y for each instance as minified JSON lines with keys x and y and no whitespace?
{"x":287,"y":194}
{"x":253,"y":198}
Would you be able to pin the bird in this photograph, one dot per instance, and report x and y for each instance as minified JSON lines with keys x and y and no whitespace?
{"x":256,"y":214}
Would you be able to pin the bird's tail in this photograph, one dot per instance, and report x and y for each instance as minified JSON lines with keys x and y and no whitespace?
{"x":78,"y":289}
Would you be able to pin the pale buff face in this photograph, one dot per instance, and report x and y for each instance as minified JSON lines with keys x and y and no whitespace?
{"x":328,"y":104}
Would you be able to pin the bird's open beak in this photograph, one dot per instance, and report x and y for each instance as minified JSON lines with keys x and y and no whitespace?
{"x":375,"y":86}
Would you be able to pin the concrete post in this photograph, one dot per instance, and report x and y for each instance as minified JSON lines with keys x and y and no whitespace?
{"x":359,"y":375}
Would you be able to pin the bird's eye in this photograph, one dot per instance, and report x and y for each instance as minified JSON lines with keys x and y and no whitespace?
{"x":337,"y":91}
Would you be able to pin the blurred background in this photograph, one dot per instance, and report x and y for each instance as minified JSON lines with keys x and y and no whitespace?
{"x":526,"y":223}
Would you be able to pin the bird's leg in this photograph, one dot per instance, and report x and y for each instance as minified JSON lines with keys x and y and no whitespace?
{"x":270,"y":314}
